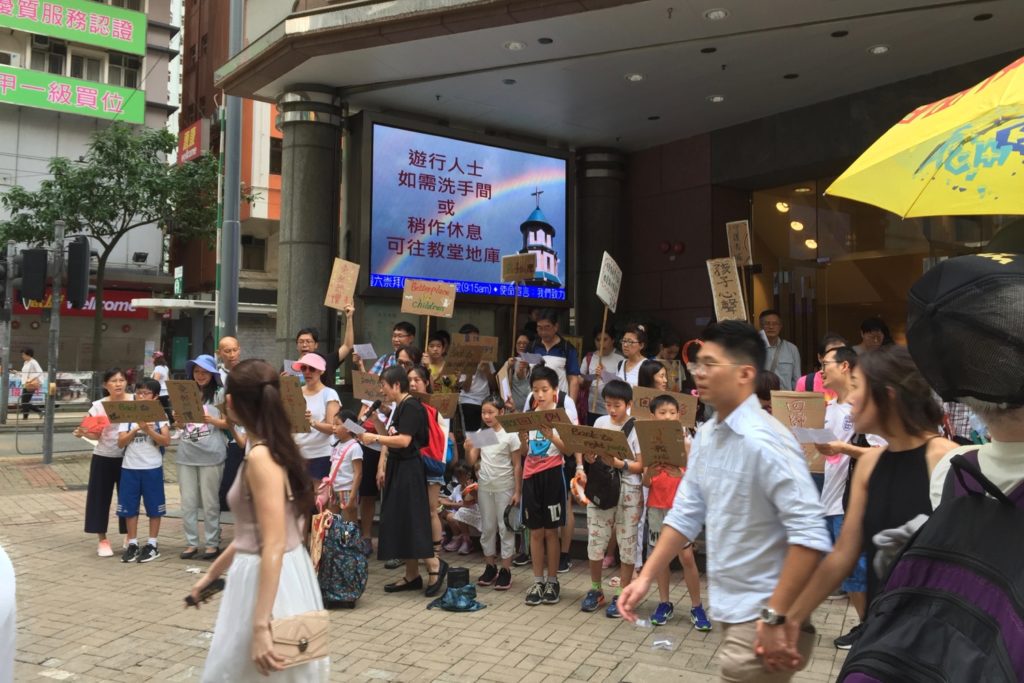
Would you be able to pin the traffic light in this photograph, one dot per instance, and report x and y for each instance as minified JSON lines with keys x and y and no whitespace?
{"x":79,"y":261}
{"x":33,"y":273}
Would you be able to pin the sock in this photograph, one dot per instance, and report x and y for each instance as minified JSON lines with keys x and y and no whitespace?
{"x":152,"y":541}
{"x":595,"y":585}
{"x":563,"y":556}
{"x":618,"y":591}
{"x":133,"y":541}
{"x":538,"y":579}
{"x":554,"y":580}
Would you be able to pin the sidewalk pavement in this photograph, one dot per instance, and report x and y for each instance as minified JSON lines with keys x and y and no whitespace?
{"x":84,"y":618}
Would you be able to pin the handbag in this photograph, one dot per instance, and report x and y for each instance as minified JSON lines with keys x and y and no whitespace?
{"x":300,"y":638}
{"x":33,"y":384}
{"x":325,"y":493}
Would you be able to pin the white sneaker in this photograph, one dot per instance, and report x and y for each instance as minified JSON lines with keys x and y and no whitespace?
{"x":104,"y":550}
{"x":464,"y":549}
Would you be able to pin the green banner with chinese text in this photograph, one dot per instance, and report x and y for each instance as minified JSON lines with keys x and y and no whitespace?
{"x":42,"y":90}
{"x":80,"y":21}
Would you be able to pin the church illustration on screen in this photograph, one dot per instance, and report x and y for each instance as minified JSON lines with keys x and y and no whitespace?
{"x":538,"y":238}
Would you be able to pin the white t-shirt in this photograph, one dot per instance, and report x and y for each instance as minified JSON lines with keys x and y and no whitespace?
{"x":605,"y":422}
{"x":630,"y":376}
{"x":346,"y":473}
{"x":142,"y":453}
{"x":107,"y":444}
{"x":610,"y":363}
{"x":1001,"y":462}
{"x":161,"y":373}
{"x":31,"y":370}
{"x":839,"y":420}
{"x":479,"y":388}
{"x":314,"y":443}
{"x":200,"y":443}
{"x":496,"y":469}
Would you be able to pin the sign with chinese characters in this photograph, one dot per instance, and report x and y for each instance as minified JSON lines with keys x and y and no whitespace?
{"x":117,"y":303}
{"x":80,"y":21}
{"x":676,"y":373}
{"x":463,"y":359}
{"x":609,"y":280}
{"x":193,"y":141}
{"x":423,"y":297}
{"x":133,"y":411}
{"x":366,"y":386}
{"x":662,"y":442}
{"x":186,"y":401}
{"x":294,"y":404}
{"x":488,"y":344}
{"x":802,"y":409}
{"x":518,"y":267}
{"x":445,"y":404}
{"x":642,"y":397}
{"x":342,"y":286}
{"x":738,"y":235}
{"x":725,"y":289}
{"x":524,"y":422}
{"x":583,"y":439}
{"x":41,"y":90}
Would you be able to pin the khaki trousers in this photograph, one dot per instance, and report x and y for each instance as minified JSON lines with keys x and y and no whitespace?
{"x":739,"y":663}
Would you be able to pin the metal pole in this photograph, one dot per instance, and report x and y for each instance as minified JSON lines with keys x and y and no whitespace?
{"x":5,"y":350}
{"x":54,"y":345}
{"x":231,"y":235}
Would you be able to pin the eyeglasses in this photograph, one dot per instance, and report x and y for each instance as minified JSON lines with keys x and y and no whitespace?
{"x":629,"y":342}
{"x":305,"y":342}
{"x":400,"y":335}
{"x":405,"y":363}
{"x":702,"y":367}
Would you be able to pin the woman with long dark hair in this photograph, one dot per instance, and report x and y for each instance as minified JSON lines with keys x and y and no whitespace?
{"x":272,"y":576}
{"x":419,"y":381}
{"x":652,"y":375}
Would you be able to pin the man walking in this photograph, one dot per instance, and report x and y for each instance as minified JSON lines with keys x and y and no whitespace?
{"x":783,"y":358}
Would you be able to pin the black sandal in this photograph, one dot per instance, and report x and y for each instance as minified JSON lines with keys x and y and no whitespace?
{"x":404,"y":584}
{"x":189,"y":554}
{"x":435,"y":587}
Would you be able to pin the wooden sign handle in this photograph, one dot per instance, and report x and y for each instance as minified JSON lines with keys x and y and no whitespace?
{"x":515,"y":317}
{"x":597,"y":380}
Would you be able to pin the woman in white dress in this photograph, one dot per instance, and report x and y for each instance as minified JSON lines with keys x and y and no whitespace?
{"x":272,"y":576}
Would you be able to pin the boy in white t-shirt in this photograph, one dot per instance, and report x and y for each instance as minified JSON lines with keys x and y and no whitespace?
{"x":346,"y":467}
{"x":142,"y":476}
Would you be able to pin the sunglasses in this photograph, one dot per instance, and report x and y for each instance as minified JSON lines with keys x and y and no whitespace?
{"x":309,"y":368}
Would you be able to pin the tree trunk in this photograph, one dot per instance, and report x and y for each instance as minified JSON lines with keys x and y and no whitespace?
{"x":97,"y":320}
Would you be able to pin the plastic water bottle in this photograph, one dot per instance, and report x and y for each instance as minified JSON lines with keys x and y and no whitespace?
{"x":643,"y":623}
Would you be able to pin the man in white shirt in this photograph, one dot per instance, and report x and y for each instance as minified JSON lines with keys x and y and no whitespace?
{"x":748,"y":482}
{"x":31,"y":382}
{"x":783,"y":358}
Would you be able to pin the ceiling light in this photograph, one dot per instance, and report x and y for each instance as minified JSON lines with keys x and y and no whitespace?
{"x":803,"y":189}
{"x":708,"y":50}
{"x":716,"y":14}
{"x":515,"y":45}
{"x":653,"y":118}
{"x":811,"y":244}
{"x":839,"y":34}
{"x":634,"y":77}
{"x":796,"y":225}
{"x":984,"y":17}
{"x":716,"y":99}
{"x":878,"y":50}
{"x":781,"y":207}
{"x":509,"y":81}
{"x":790,"y":77}
{"x":545,"y":41}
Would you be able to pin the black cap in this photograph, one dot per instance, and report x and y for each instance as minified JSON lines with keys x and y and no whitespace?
{"x":965,"y":327}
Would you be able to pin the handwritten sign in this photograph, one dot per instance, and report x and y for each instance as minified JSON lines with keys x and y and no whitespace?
{"x":366,"y":386}
{"x":425,"y":297}
{"x":186,"y":400}
{"x":642,"y":397}
{"x":609,"y":281}
{"x":725,"y":289}
{"x":802,"y":409}
{"x":583,"y":439}
{"x":504,"y":385}
{"x":445,"y":404}
{"x":342,"y":286}
{"x":518,"y":267}
{"x":135,"y":411}
{"x":675,"y":372}
{"x":487,"y":345}
{"x":662,"y":441}
{"x":738,"y":235}
{"x":524,"y":422}
{"x":294,"y":404}
{"x":463,"y":359}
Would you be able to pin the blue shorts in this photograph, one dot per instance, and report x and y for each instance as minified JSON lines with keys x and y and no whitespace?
{"x":857,"y":582}
{"x":145,"y":484}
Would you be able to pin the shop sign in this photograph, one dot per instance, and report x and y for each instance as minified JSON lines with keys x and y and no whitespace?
{"x":117,"y":303}
{"x":79,"y":21}
{"x":42,"y":90}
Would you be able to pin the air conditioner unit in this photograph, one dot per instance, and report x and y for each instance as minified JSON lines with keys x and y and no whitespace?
{"x":40,"y":41}
{"x":10,"y":59}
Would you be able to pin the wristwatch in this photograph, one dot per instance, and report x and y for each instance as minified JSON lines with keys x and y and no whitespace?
{"x":771,"y":617}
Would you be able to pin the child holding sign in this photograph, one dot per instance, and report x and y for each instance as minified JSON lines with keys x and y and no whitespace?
{"x":663,"y":480}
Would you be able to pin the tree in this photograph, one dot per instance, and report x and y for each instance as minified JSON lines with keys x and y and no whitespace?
{"x":121,"y":183}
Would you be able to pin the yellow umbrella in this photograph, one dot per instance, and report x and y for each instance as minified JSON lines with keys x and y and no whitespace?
{"x":961,"y":155}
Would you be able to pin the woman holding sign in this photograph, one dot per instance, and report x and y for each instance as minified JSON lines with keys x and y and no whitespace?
{"x":322,"y":404}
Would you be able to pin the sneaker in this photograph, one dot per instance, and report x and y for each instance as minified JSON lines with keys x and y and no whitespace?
{"x":131,"y":553}
{"x":393,"y":564}
{"x":104,"y":550}
{"x":847,"y":640}
{"x":452,"y":545}
{"x":551,"y":591}
{"x":521,"y":560}
{"x":592,"y":601}
{"x":699,"y":619}
{"x":489,"y":575}
{"x":149,"y":553}
{"x":535,"y":595}
{"x":613,"y":609}
{"x":504,"y":581}
{"x":838,"y":595}
{"x":465,"y":548}
{"x":564,"y":563}
{"x":662,"y":613}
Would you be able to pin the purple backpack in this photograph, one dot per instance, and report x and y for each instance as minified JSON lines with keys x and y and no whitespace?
{"x":953,"y":605}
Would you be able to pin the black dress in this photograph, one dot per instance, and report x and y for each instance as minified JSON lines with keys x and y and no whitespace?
{"x":405,"y":532}
{"x":898,"y":491}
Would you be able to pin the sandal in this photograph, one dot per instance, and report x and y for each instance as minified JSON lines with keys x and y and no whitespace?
{"x":210,"y":554}
{"x":435,"y":586}
{"x":404,"y":584}
{"x":189,"y":553}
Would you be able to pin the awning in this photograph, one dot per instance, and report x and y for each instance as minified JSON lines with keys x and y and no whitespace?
{"x":203,"y":305}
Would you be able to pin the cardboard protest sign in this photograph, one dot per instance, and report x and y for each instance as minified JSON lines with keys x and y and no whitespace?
{"x":802,"y":409}
{"x":135,"y":411}
{"x":675,"y":372}
{"x":445,"y":404}
{"x":662,"y":441}
{"x":518,"y":267}
{"x":488,"y":345}
{"x":504,"y":385}
{"x":524,"y":422}
{"x":294,"y":404}
{"x":642,"y":397}
{"x":425,"y":297}
{"x":463,"y":359}
{"x":609,"y":281}
{"x":186,"y":401}
{"x":738,"y":235}
{"x":366,"y":386}
{"x":583,"y":439}
{"x":342,"y":286}
{"x":726,"y":290}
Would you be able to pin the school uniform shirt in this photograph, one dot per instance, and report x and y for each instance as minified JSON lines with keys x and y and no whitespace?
{"x":605,"y":422}
{"x":839,"y":420}
{"x":747,"y":483}
{"x":479,"y":388}
{"x":314,"y":443}
{"x":663,"y":491}
{"x":630,"y":376}
{"x":107,"y":443}
{"x":589,"y":367}
{"x":562,"y":358}
{"x":141,"y":453}
{"x":496,"y":471}
{"x":201,"y":443}
{"x":352,"y":451}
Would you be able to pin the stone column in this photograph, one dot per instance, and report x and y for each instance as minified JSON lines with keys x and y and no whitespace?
{"x":310,"y":117}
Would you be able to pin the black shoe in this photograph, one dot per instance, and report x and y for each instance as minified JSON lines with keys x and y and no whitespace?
{"x":209,"y":556}
{"x":521,"y":560}
{"x":189,"y":554}
{"x":504,"y":581}
{"x":131,"y":553}
{"x":404,"y":585}
{"x":551,"y":592}
{"x":564,"y":563}
{"x":489,"y":575}
{"x":847,"y":640}
{"x":535,"y":595}
{"x":149,"y":553}
{"x":434,"y":588}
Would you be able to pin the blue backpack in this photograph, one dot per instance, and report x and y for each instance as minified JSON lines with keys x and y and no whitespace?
{"x":953,"y":605}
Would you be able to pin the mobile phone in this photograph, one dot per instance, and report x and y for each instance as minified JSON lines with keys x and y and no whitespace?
{"x":214,"y":587}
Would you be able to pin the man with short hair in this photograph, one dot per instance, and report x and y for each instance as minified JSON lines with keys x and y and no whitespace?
{"x":308,"y":341}
{"x":229,"y":351}
{"x":874,"y":334}
{"x":783,"y":358}
{"x":402,"y":334}
{"x":747,"y":483}
{"x":559,"y":355}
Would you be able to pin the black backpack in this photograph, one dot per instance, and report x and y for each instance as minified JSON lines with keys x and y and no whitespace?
{"x":603,"y":482}
{"x":953,"y":604}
